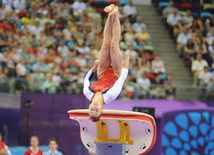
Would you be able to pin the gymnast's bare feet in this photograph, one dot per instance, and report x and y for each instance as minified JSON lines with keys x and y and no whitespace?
{"x":114,"y":11}
{"x":109,"y":8}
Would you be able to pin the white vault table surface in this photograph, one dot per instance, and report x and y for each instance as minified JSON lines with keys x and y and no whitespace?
{"x":142,"y":129}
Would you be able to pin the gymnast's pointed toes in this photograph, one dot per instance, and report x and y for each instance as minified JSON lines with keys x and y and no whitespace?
{"x":109,"y":8}
{"x":114,"y":11}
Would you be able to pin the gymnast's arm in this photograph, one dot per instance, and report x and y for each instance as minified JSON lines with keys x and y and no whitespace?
{"x":126,"y":64}
{"x":88,"y":94}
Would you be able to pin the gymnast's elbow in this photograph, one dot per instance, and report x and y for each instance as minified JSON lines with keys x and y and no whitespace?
{"x":113,"y":96}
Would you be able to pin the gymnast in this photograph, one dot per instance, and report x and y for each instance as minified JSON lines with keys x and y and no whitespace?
{"x":111,"y":70}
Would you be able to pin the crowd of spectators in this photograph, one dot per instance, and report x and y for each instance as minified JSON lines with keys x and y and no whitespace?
{"x":49,"y":45}
{"x":47,"y":41}
{"x":193,"y":35}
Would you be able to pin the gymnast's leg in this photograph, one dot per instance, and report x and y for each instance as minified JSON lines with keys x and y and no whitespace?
{"x":116,"y":59}
{"x":104,"y":57}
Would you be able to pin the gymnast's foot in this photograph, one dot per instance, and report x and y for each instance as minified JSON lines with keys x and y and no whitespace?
{"x":109,"y":8}
{"x":114,"y":11}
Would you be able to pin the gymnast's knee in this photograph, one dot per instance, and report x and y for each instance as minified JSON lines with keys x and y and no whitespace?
{"x":107,"y":42}
{"x":114,"y":44}
{"x":115,"y":41}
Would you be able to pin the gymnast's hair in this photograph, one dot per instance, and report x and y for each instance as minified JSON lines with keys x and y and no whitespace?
{"x":96,"y":119}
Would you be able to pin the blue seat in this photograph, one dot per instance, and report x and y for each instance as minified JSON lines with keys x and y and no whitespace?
{"x":102,"y":2}
{"x":3,"y":49}
{"x":163,"y":76}
{"x":137,"y":47}
{"x":195,"y":14}
{"x":205,"y":14}
{"x":163,"y":4}
{"x":57,"y":43}
{"x":122,"y":3}
{"x":65,"y":25}
{"x":177,"y":5}
{"x":197,"y":5}
{"x":197,"y":8}
{"x":123,"y":45}
{"x":70,"y":44}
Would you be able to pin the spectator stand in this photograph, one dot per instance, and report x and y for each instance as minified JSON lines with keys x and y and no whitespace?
{"x":47,"y":43}
{"x":201,"y":29}
{"x":73,"y":26}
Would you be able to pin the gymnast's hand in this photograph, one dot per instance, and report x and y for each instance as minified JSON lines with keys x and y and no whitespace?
{"x":96,"y":65}
{"x":126,"y":56}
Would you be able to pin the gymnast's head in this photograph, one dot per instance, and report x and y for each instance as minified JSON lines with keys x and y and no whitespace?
{"x":95,"y":111}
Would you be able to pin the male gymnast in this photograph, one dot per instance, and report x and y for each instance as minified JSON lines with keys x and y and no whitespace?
{"x":111,"y":70}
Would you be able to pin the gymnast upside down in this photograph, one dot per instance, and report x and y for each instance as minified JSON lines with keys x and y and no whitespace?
{"x":111,"y":70}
